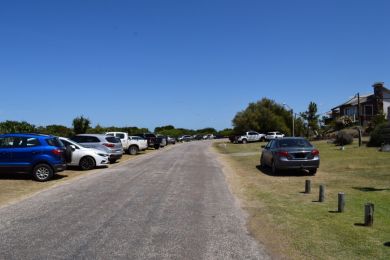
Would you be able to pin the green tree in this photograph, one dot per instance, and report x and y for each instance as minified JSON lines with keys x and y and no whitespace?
{"x":16,"y":127}
{"x":263,"y":116}
{"x":57,"y":130}
{"x":311,"y":117}
{"x":80,"y":125}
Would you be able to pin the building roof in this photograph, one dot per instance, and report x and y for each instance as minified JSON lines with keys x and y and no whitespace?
{"x":354,"y":101}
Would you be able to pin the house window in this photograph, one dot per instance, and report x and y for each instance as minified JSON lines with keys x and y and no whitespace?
{"x":350,"y":111}
{"x":368,"y":110}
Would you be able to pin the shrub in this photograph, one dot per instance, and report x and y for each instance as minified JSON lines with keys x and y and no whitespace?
{"x":343,"y":122}
{"x":380,"y":135}
{"x":343,"y":138}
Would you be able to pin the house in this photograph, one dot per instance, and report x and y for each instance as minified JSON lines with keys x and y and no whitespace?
{"x":369,"y":105}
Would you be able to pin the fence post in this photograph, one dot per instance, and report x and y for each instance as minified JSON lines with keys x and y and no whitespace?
{"x":322,"y":193}
{"x":368,"y":214}
{"x":307,"y":186}
{"x":341,"y":202}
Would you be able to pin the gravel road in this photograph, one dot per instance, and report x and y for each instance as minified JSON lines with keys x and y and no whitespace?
{"x":171,"y":204}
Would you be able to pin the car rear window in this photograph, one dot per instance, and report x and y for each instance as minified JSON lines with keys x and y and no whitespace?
{"x":112,"y":139}
{"x":54,"y":142}
{"x":294,"y":143}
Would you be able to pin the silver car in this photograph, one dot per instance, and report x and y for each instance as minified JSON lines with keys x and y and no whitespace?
{"x":290,"y":153}
{"x":108,"y":144}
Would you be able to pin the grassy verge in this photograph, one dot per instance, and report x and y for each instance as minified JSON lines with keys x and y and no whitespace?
{"x":292,"y":224}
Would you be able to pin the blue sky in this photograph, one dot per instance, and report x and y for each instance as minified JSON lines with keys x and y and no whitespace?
{"x":192,"y":64}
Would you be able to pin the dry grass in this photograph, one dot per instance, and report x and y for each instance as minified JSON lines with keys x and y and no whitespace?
{"x":293,"y":225}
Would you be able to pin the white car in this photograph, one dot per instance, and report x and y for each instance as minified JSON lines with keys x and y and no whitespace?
{"x":274,"y":135}
{"x":131,"y":144}
{"x":85,"y":158}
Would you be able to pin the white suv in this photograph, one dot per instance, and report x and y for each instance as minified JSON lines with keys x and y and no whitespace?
{"x":274,"y":135}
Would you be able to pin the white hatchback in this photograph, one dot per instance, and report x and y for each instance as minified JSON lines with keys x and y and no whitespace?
{"x":85,"y":158}
{"x":273,"y":135}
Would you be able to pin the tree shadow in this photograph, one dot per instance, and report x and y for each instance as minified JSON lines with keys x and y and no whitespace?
{"x":360,"y":224}
{"x":283,"y":173}
{"x":387,"y":244}
{"x":368,"y":189}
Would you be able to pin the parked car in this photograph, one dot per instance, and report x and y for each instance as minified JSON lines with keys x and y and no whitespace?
{"x":85,"y":158}
{"x":40,"y":155}
{"x":108,"y":144}
{"x":171,"y":140}
{"x":152,"y":140}
{"x":163,"y":140}
{"x":208,"y":136}
{"x":250,"y":136}
{"x":185,"y":138}
{"x":131,"y":145}
{"x":273,"y":135}
{"x":290,"y":153}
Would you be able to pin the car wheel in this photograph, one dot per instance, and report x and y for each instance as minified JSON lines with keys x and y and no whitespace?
{"x":313,"y":171}
{"x":157,"y":147}
{"x":262,"y":139}
{"x":42,"y":172}
{"x":274,"y":168}
{"x":87,"y":163}
{"x":112,"y":160}
{"x":133,"y":150}
{"x":244,"y":141}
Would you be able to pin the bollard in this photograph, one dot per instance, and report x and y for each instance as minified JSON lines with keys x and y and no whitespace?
{"x":307,"y":186}
{"x":368,"y":214}
{"x":341,"y":200}
{"x":322,"y":193}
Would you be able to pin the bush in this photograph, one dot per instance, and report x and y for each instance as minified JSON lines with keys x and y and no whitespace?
{"x":343,"y":138}
{"x":380,"y":135}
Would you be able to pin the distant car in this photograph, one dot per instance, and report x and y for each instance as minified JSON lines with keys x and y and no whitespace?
{"x":273,"y":135}
{"x":250,"y":136}
{"x":152,"y":140}
{"x":290,"y":153}
{"x":85,"y":158}
{"x":162,"y":140}
{"x":40,"y":155}
{"x":130,"y":144}
{"x":108,"y":144}
{"x":208,"y":136}
{"x":171,"y":140}
{"x":185,"y":138}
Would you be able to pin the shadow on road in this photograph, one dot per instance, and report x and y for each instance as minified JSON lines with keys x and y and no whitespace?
{"x":26,"y":176}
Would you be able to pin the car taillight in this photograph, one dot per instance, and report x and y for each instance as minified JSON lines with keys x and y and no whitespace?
{"x":283,"y":154}
{"x":315,"y":152}
{"x":109,"y":145}
{"x":57,"y":152}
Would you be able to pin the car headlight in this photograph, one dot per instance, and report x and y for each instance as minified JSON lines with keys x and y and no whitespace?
{"x":102,"y":154}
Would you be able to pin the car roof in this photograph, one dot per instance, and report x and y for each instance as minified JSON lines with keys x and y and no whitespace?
{"x":27,"y":135}
{"x":97,"y":135}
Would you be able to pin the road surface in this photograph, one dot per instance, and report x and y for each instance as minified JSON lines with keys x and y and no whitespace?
{"x":171,"y":204}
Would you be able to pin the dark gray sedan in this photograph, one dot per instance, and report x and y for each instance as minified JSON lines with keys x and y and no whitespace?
{"x":290,"y":153}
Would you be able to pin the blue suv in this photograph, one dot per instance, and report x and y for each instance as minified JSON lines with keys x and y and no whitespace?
{"x":40,"y":155}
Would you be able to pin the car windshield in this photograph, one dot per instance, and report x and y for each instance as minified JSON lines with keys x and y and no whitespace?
{"x":270,"y":133}
{"x":294,"y":143}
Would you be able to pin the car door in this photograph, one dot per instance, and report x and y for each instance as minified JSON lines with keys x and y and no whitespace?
{"x":5,"y":153}
{"x":24,"y":151}
{"x":76,"y":152}
{"x":267,"y":155}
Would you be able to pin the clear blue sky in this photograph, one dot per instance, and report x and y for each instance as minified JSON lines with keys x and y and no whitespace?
{"x":192,"y":64}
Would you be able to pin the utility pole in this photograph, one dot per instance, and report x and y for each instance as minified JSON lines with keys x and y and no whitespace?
{"x":293,"y":123}
{"x":358,"y":109}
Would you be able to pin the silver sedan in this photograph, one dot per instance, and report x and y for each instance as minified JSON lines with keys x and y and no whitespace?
{"x":290,"y":153}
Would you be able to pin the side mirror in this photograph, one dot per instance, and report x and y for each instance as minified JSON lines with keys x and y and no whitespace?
{"x":73,"y":147}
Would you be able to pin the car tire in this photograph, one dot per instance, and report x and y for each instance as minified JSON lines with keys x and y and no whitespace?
{"x":42,"y":172}
{"x":156,"y":146}
{"x":244,"y":141}
{"x":133,"y":150}
{"x":87,"y":163}
{"x":274,"y":169}
{"x":312,"y":172}
{"x":112,"y":160}
{"x":262,"y":139}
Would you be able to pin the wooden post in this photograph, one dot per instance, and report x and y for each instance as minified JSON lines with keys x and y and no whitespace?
{"x":307,"y":186}
{"x":322,"y":193}
{"x":341,"y":200}
{"x":368,"y":214}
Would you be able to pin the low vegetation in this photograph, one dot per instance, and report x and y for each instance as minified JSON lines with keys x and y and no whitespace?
{"x":294,"y":224}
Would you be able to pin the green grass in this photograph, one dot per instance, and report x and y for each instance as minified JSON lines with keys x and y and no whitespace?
{"x":302,"y":228}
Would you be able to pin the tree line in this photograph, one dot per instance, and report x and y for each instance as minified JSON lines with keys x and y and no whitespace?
{"x":81,"y":125}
